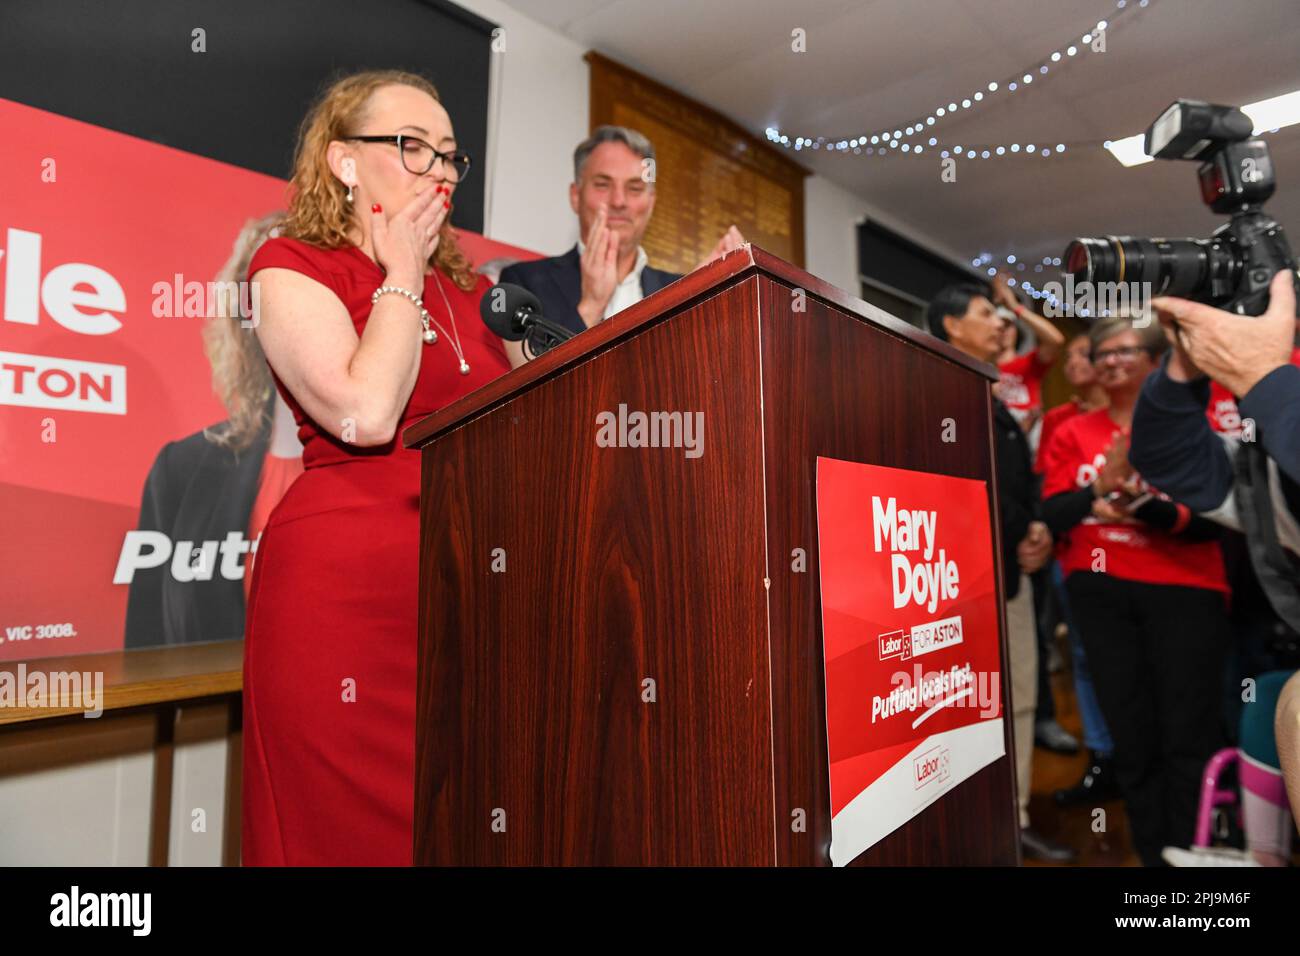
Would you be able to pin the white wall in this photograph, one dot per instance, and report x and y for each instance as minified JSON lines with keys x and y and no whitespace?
{"x":538,"y":112}
{"x":80,"y":793}
{"x":831,"y":218}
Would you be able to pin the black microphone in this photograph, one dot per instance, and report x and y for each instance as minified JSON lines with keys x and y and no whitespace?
{"x":506,"y":308}
{"x":515,"y":314}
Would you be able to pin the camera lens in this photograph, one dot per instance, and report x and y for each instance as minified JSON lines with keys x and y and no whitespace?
{"x":1192,"y":268}
{"x":1088,"y":259}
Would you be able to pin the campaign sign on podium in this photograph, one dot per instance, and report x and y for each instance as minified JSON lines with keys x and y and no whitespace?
{"x":910,"y":630}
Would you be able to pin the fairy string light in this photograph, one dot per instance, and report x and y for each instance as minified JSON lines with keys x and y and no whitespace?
{"x":882,"y":142}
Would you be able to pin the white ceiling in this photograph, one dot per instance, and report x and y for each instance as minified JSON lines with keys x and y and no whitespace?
{"x":877,"y":64}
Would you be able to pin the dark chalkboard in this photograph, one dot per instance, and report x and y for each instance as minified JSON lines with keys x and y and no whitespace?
{"x":128,"y":65}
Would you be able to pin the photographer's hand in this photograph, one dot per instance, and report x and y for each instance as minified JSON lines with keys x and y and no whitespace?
{"x":1234,"y":350}
{"x":1180,"y":368}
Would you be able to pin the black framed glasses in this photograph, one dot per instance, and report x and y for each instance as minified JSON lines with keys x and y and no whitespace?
{"x":418,"y":156}
{"x":1125,"y":352}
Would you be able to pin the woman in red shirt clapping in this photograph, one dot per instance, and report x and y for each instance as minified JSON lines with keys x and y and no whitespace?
{"x":1146,"y":583}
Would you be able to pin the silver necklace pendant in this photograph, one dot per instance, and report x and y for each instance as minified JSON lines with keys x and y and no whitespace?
{"x":464,"y":367}
{"x":430,"y":337}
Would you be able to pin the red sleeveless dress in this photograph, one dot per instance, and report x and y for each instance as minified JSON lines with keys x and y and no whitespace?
{"x":330,"y":636}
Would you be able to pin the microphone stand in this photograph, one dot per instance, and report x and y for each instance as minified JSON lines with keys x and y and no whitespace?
{"x":542,"y":335}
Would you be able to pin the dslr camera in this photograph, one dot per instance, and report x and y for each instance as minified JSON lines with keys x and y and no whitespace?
{"x":1232,"y":269}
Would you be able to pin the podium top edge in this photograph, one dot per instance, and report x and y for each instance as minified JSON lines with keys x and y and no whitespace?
{"x":674,"y":298}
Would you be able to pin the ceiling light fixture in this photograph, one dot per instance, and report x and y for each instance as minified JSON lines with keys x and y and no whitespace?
{"x":1268,"y":115}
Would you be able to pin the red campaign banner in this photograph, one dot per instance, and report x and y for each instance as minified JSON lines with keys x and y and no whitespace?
{"x":109,"y":251}
{"x":910,"y":633}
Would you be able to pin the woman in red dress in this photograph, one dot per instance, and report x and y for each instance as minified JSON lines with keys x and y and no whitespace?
{"x":369,"y":320}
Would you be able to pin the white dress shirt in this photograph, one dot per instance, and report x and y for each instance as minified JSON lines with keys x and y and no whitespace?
{"x":1284,"y":522}
{"x":628,"y":292}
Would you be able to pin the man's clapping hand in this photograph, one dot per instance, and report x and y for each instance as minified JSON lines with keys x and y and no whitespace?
{"x":599,"y":266}
{"x":730,"y":241}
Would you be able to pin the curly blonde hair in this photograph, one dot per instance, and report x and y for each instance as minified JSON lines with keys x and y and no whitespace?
{"x":318,"y":209}
{"x":240,"y":376}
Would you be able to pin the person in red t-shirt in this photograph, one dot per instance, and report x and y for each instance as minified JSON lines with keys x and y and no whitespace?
{"x":1222,"y":410}
{"x":1147,"y":588}
{"x":1020,"y":388}
{"x":1098,"y":780}
{"x":1021,"y":384}
{"x":1088,"y":394}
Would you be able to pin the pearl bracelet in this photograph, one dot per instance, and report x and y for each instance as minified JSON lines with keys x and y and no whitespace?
{"x":400,"y":291}
{"x":429,"y":335}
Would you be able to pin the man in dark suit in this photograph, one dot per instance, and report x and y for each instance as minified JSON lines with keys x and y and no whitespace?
{"x":613,"y":196}
{"x":964,"y":316}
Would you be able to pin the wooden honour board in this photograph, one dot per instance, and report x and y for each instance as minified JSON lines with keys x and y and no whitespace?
{"x":709,"y":172}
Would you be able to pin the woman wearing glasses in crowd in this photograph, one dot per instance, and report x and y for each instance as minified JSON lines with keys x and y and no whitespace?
{"x":369,"y":320}
{"x":1148,"y":591}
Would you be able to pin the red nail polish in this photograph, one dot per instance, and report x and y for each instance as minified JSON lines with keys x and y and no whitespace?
{"x":376,"y":208}
{"x":447,"y":204}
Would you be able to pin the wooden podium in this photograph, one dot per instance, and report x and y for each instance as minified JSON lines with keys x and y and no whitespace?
{"x":618,"y":664}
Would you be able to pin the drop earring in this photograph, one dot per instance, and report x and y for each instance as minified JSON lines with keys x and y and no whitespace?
{"x":350,"y":188}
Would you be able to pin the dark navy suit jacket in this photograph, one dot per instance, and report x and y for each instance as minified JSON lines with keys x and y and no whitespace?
{"x":557,"y":283}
